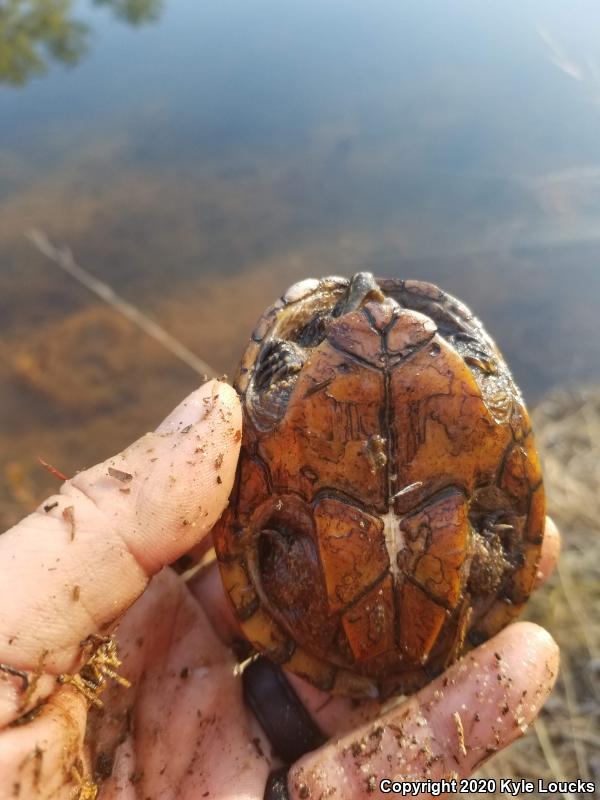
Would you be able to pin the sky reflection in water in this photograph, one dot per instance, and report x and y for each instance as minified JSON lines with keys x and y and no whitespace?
{"x":206,"y":156}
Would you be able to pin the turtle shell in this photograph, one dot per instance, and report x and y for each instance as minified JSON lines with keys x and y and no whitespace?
{"x":388,"y":510}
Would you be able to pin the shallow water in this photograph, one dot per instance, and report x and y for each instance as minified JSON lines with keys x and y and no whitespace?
{"x":202,"y":156}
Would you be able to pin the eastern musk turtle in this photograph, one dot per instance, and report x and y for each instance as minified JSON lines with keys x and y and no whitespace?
{"x":388,"y":511}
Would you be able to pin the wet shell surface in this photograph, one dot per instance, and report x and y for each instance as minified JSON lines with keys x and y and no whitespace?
{"x":388,"y":511}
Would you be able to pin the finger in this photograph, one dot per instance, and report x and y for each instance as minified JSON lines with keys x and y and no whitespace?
{"x":20,"y":692}
{"x":550,"y":553}
{"x":44,"y":757}
{"x":82,"y":558}
{"x":480,"y":705}
{"x":207,"y":587}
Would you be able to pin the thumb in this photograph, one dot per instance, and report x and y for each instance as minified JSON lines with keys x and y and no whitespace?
{"x":79,"y":561}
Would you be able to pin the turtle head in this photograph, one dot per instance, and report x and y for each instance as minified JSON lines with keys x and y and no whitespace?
{"x":362,"y":288}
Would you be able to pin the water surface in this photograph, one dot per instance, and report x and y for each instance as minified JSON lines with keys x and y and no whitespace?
{"x":201,"y":156}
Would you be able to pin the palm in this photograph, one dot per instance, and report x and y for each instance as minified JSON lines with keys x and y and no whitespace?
{"x":182,"y":729}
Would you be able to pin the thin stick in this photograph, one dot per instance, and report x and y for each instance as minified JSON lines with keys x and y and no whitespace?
{"x":52,"y":470}
{"x":63,"y":258}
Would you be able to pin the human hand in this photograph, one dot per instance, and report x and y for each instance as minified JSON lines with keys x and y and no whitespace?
{"x":84,"y":560}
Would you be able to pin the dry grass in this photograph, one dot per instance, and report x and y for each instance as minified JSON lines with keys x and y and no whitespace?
{"x":565,"y":742}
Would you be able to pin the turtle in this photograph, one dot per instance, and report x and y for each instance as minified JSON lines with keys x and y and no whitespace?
{"x":388,"y":509}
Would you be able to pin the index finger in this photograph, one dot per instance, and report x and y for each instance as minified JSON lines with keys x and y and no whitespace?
{"x":80,"y":560}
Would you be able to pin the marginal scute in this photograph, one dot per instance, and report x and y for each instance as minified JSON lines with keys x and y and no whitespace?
{"x":316,"y":670}
{"x":424,"y":289}
{"x":388,"y":510}
{"x":500,"y":613}
{"x":264,"y":633}
{"x":241,"y":591}
{"x":246,"y":366}
{"x":266,"y":321}
{"x":517,"y":476}
{"x":354,"y":685}
{"x":300,"y":290}
{"x":254,"y":483}
{"x":536,"y":518}
{"x":334,"y":282}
